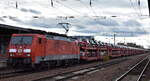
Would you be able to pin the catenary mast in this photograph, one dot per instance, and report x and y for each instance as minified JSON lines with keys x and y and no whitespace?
{"x":149,"y":6}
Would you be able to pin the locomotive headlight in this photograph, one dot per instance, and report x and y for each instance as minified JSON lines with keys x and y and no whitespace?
{"x":27,"y":50}
{"x":12,"y":50}
{"x":28,"y":55}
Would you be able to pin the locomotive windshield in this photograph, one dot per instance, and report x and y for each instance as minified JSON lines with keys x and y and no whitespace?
{"x":21,"y":40}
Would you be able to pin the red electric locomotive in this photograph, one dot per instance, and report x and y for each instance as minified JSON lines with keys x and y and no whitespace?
{"x":37,"y":49}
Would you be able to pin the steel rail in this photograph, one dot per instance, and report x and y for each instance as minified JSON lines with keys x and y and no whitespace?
{"x":123,"y":75}
{"x":11,"y":74}
{"x":78,"y":72}
{"x":143,"y":71}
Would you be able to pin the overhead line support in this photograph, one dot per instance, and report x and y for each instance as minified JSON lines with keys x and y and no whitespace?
{"x":149,"y":7}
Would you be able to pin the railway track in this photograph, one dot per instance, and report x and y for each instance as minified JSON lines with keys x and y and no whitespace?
{"x":77,"y":73}
{"x":66,"y":75}
{"x":8,"y":73}
{"x":14,"y":73}
{"x":137,"y":72}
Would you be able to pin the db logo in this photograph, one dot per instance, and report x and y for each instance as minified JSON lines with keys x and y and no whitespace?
{"x":19,"y":50}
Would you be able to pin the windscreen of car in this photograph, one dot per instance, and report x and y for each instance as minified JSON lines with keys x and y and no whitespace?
{"x":21,"y":40}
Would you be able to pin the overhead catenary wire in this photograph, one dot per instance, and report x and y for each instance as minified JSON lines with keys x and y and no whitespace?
{"x":88,"y":8}
{"x":67,"y":29}
{"x":16,"y":5}
{"x":90,"y":4}
{"x":52,"y":4}
{"x":134,"y":7}
{"x":68,"y":7}
{"x":148,"y":7}
{"x":139,"y":6}
{"x":96,"y":14}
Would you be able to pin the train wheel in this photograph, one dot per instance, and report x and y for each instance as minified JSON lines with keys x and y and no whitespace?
{"x":66,"y":62}
{"x":58,"y":62}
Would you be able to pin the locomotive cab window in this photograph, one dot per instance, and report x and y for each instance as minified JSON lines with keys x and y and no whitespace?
{"x":21,"y":40}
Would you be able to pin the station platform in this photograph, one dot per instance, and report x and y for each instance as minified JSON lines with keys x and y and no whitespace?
{"x":3,"y":61}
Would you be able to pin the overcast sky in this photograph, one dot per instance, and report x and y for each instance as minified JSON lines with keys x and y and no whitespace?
{"x":95,"y":19}
{"x":107,"y":7}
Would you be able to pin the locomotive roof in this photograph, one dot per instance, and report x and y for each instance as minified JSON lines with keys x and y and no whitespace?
{"x":65,"y":38}
{"x":83,"y":37}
